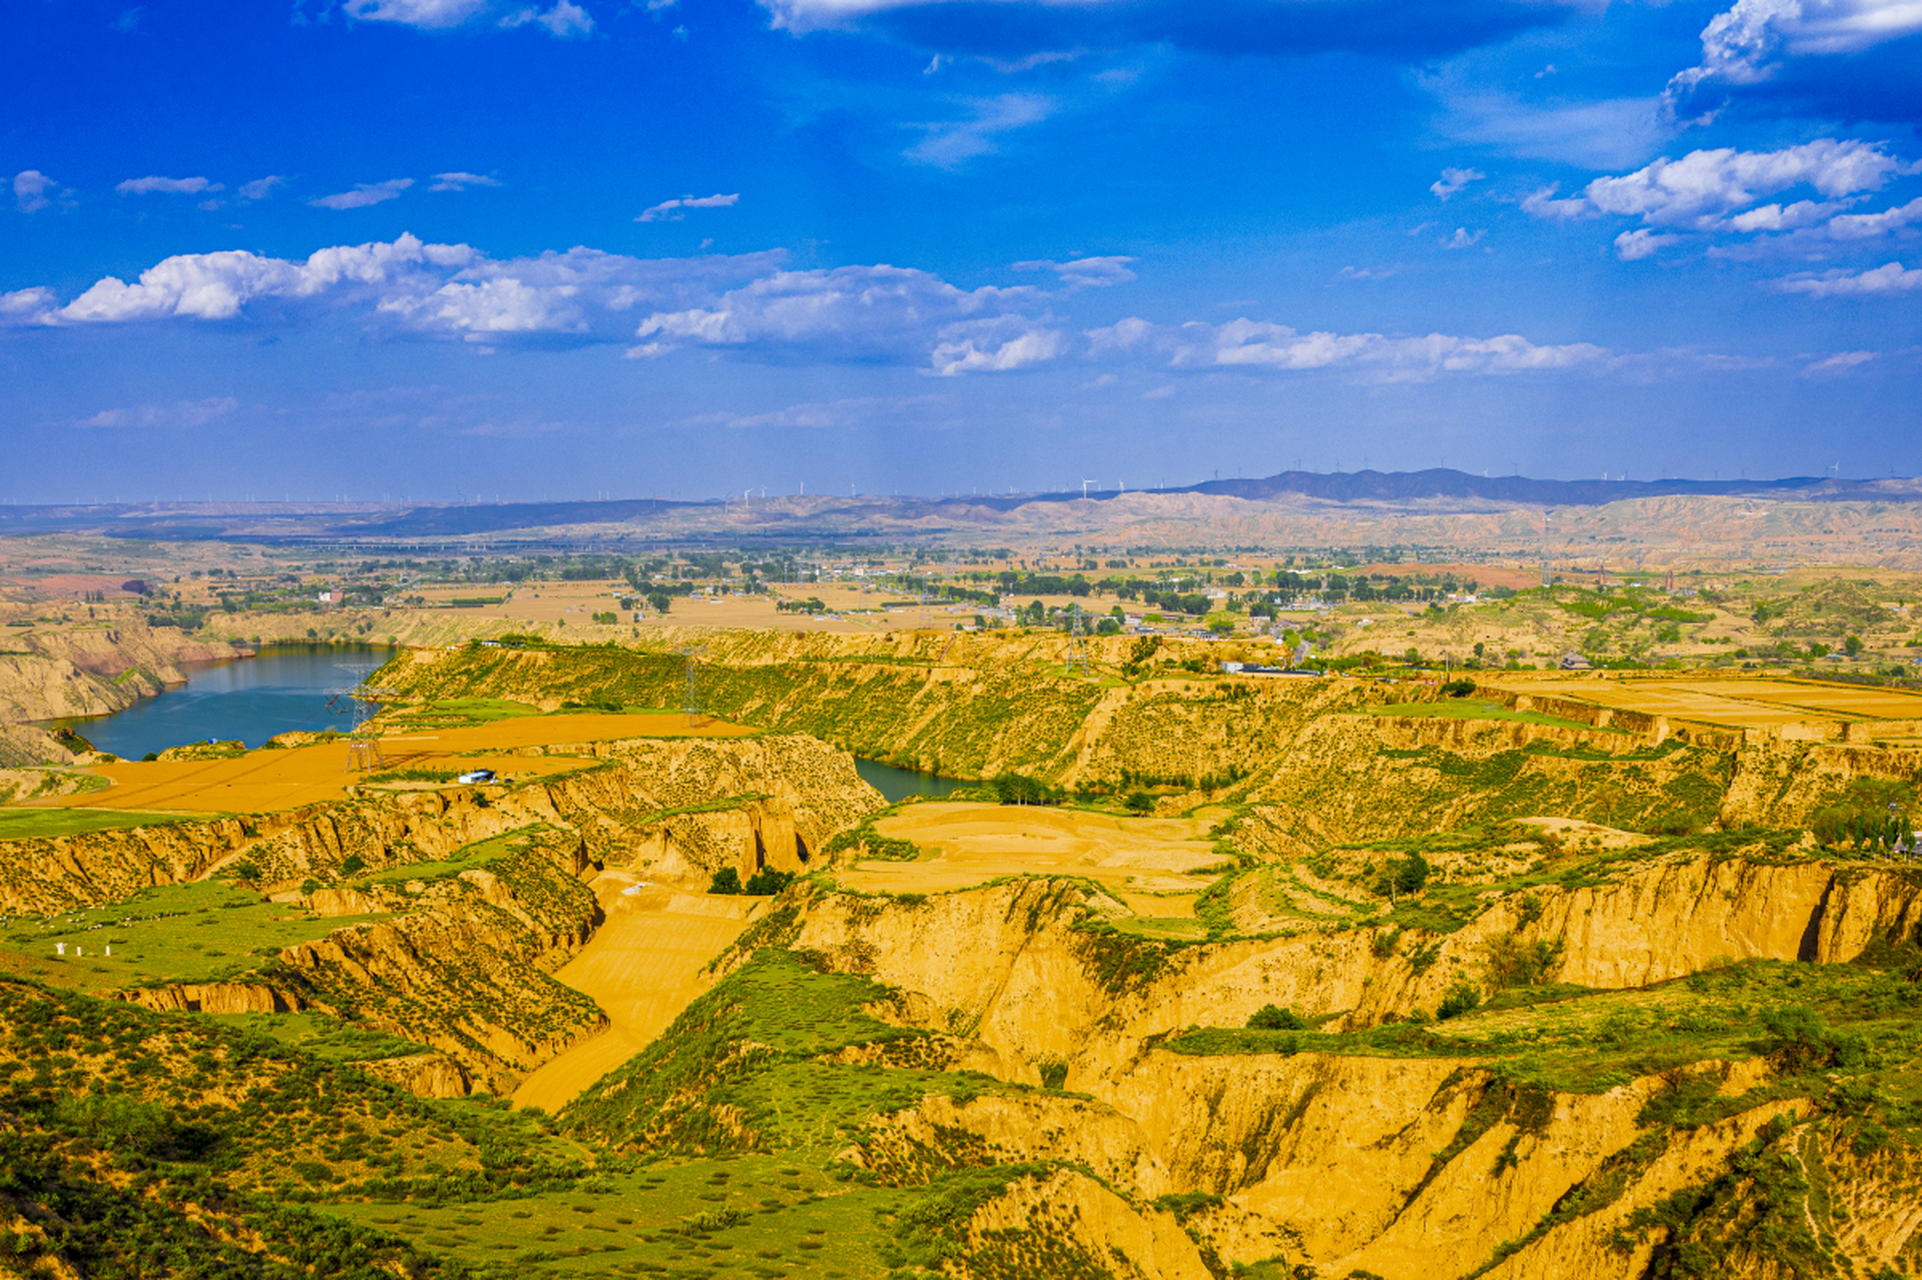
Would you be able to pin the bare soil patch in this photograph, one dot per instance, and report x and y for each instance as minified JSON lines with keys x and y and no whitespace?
{"x":1144,"y":861}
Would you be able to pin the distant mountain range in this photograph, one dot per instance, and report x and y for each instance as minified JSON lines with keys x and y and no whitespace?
{"x":1432,"y":491}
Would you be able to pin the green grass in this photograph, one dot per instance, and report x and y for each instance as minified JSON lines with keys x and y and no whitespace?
{"x":1470,"y":709}
{"x":325,"y":1037}
{"x":28,"y":824}
{"x":649,"y":1222}
{"x":466,"y":858}
{"x":1589,"y":1042}
{"x":199,"y":932}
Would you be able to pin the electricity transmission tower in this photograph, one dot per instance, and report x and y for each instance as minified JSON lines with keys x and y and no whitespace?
{"x":361,"y":702}
{"x":691,"y":697}
{"x":1077,"y":646}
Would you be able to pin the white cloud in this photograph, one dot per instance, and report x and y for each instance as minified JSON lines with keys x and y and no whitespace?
{"x":565,"y":21}
{"x":1714,"y":192}
{"x":1454,"y":181}
{"x":1711,"y":184}
{"x":407,"y":285}
{"x":184,"y":413}
{"x":1253,"y":344}
{"x":1861,"y":226}
{"x":26,"y":306}
{"x":1596,"y":135}
{"x":1085,"y":273}
{"x":674,"y":210}
{"x":364,"y":194}
{"x":30,"y":187}
{"x":1365,"y":273}
{"x":1463,"y":239}
{"x":416,"y":13}
{"x":949,"y":143}
{"x":1838,"y":365}
{"x":166,"y":186}
{"x":1886,"y":280}
{"x":215,"y":286}
{"x":505,"y":305}
{"x":261,"y":188}
{"x":1738,"y":46}
{"x":1776,"y":217}
{"x":461,"y":181}
{"x":863,"y":313}
{"x":1633,"y":246}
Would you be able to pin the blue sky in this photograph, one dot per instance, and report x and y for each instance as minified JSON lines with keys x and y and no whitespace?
{"x":686,"y":247}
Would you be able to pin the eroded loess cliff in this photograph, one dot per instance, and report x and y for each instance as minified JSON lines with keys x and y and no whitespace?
{"x":1593,"y":1120}
{"x":681,"y":808}
{"x":53,"y":671}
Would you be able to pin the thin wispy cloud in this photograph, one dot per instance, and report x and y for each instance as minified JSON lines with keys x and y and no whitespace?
{"x":364,"y":194}
{"x":675,"y":210}
{"x":1085,"y":273}
{"x":165,"y":186}
{"x":1454,"y":182}
{"x":950,"y":143}
{"x":461,"y":181}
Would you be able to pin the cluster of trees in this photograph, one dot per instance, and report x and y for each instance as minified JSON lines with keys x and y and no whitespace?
{"x":765,"y":882}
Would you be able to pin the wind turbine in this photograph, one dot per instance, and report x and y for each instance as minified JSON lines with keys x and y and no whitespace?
{"x":1084,"y":486}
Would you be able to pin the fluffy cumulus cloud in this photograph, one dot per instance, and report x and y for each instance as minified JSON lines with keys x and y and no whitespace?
{"x":1890,"y":279}
{"x":675,"y":210}
{"x":1716,"y":192}
{"x":165,"y":186}
{"x":877,"y":313}
{"x":747,"y":305}
{"x":1260,"y":345}
{"x":30,"y":190}
{"x":1085,"y":273}
{"x":364,"y":194}
{"x":26,"y":306}
{"x":1742,"y":45}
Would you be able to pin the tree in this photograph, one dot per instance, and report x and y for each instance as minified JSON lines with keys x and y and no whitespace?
{"x":1139,"y":802}
{"x":1853,"y":646}
{"x":659,"y":601}
{"x":1462,"y":997}
{"x":1411,"y":873}
{"x":1272,"y":1018}
{"x":726,"y":880}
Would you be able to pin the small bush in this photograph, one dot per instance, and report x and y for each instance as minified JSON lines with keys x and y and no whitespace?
{"x":1462,"y":997}
{"x":1271,"y":1018}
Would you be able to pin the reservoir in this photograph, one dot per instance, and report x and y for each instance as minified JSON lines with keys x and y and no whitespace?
{"x":251,"y":699}
{"x":896,"y":785}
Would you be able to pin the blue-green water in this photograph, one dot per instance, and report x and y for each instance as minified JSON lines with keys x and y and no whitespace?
{"x":250,"y":699}
{"x":898,"y":784}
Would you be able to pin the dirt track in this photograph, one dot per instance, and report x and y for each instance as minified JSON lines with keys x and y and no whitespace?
{"x":642,"y":967}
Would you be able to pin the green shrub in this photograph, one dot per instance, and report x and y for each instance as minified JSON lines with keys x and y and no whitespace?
{"x":1271,"y":1018}
{"x":1462,"y":997}
{"x":763,"y":883}
{"x":726,"y":880}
